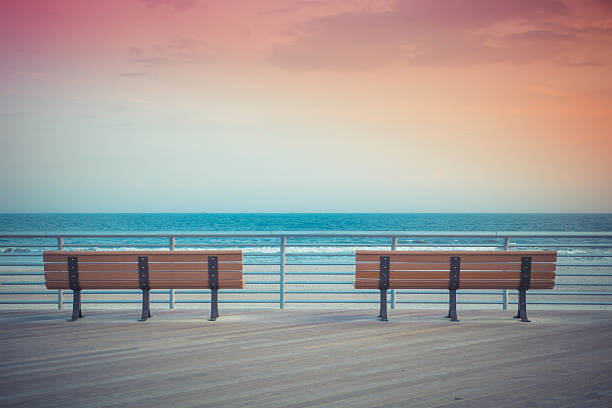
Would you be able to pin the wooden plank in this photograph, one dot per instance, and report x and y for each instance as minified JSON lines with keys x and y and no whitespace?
{"x":443,"y":284}
{"x":105,"y":275}
{"x":158,"y":284}
{"x":403,"y":284}
{"x":114,"y":276}
{"x":187,"y":257}
{"x":223,"y":284}
{"x":465,"y":275}
{"x":403,"y":266}
{"x":133,"y":266}
{"x":168,"y":257}
{"x":95,"y":285}
{"x":57,"y":284}
{"x":535,"y":266}
{"x":421,"y":266}
{"x":133,"y":275}
{"x":102,"y":266}
{"x":183,"y":276}
{"x":507,"y":284}
{"x":188,"y":266}
{"x":132,"y":256}
{"x":145,"y":253}
{"x":451,"y":252}
{"x":466,"y":256}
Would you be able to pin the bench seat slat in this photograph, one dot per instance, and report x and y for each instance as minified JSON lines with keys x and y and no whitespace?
{"x":63,"y":266}
{"x":133,"y":275}
{"x":443,"y":256}
{"x":203,"y":276}
{"x":158,"y":284}
{"x":465,"y":275}
{"x":223,"y":284}
{"x":118,"y":284}
{"x":421,"y":266}
{"x":443,"y":284}
{"x":153,"y":266}
{"x":154,"y":256}
{"x":506,"y":284}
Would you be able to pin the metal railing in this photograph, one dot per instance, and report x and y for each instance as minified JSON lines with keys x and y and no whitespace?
{"x":315,"y":268}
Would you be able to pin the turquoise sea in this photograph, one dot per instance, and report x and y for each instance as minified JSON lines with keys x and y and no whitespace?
{"x":198,"y":223}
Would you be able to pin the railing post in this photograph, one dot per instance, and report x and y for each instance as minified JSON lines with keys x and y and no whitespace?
{"x":171,"y":291}
{"x":281,"y":289}
{"x":60,"y":292}
{"x":393,"y":248}
{"x":505,"y":291}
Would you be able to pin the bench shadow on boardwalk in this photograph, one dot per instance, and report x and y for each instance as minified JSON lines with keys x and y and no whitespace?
{"x":306,"y":357}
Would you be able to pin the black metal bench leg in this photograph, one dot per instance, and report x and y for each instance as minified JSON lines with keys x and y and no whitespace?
{"x":216,"y":303}
{"x":518,"y":308}
{"x":146,"y":306}
{"x":76,"y":305}
{"x":452,"y":313}
{"x":214,"y":307}
{"x":383,"y":305}
{"x":522,"y":306}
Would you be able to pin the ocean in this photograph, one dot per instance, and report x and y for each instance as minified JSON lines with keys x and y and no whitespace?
{"x":79,"y":223}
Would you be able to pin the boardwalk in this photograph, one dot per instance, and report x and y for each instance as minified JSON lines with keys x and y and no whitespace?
{"x":304,"y":358}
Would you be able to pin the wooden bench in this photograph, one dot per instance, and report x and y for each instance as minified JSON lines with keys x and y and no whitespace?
{"x":145,"y":270}
{"x":454,"y":270}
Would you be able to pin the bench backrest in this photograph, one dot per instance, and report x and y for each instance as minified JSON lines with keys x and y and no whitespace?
{"x":119,"y":269}
{"x":478,"y":269}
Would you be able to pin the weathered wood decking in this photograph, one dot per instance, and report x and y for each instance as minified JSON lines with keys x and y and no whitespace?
{"x":304,"y":358}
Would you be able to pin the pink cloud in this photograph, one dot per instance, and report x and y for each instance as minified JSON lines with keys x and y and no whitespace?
{"x":30,"y":75}
{"x":171,"y":52}
{"x":178,"y":5}
{"x":433,"y":32}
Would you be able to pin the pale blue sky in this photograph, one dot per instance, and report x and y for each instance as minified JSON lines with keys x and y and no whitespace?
{"x":233,"y":106}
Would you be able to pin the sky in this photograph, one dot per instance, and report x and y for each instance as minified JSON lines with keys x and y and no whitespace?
{"x":306,"y":106}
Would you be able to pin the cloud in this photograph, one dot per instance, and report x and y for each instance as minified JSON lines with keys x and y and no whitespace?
{"x":9,"y":92}
{"x":435,"y":32}
{"x":133,"y":74}
{"x":30,"y":75}
{"x":171,"y":52}
{"x":178,"y":5}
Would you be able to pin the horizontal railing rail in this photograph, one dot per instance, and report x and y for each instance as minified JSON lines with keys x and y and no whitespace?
{"x":314,"y":267}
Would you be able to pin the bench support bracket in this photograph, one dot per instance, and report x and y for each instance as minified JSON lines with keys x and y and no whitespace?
{"x":453,"y":285}
{"x":143,"y":281}
{"x":383,"y":285}
{"x":213,"y":284}
{"x":73,"y":280}
{"x":524,"y":285}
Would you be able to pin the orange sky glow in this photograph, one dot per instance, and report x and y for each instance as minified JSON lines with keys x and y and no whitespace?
{"x":296,"y":105}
